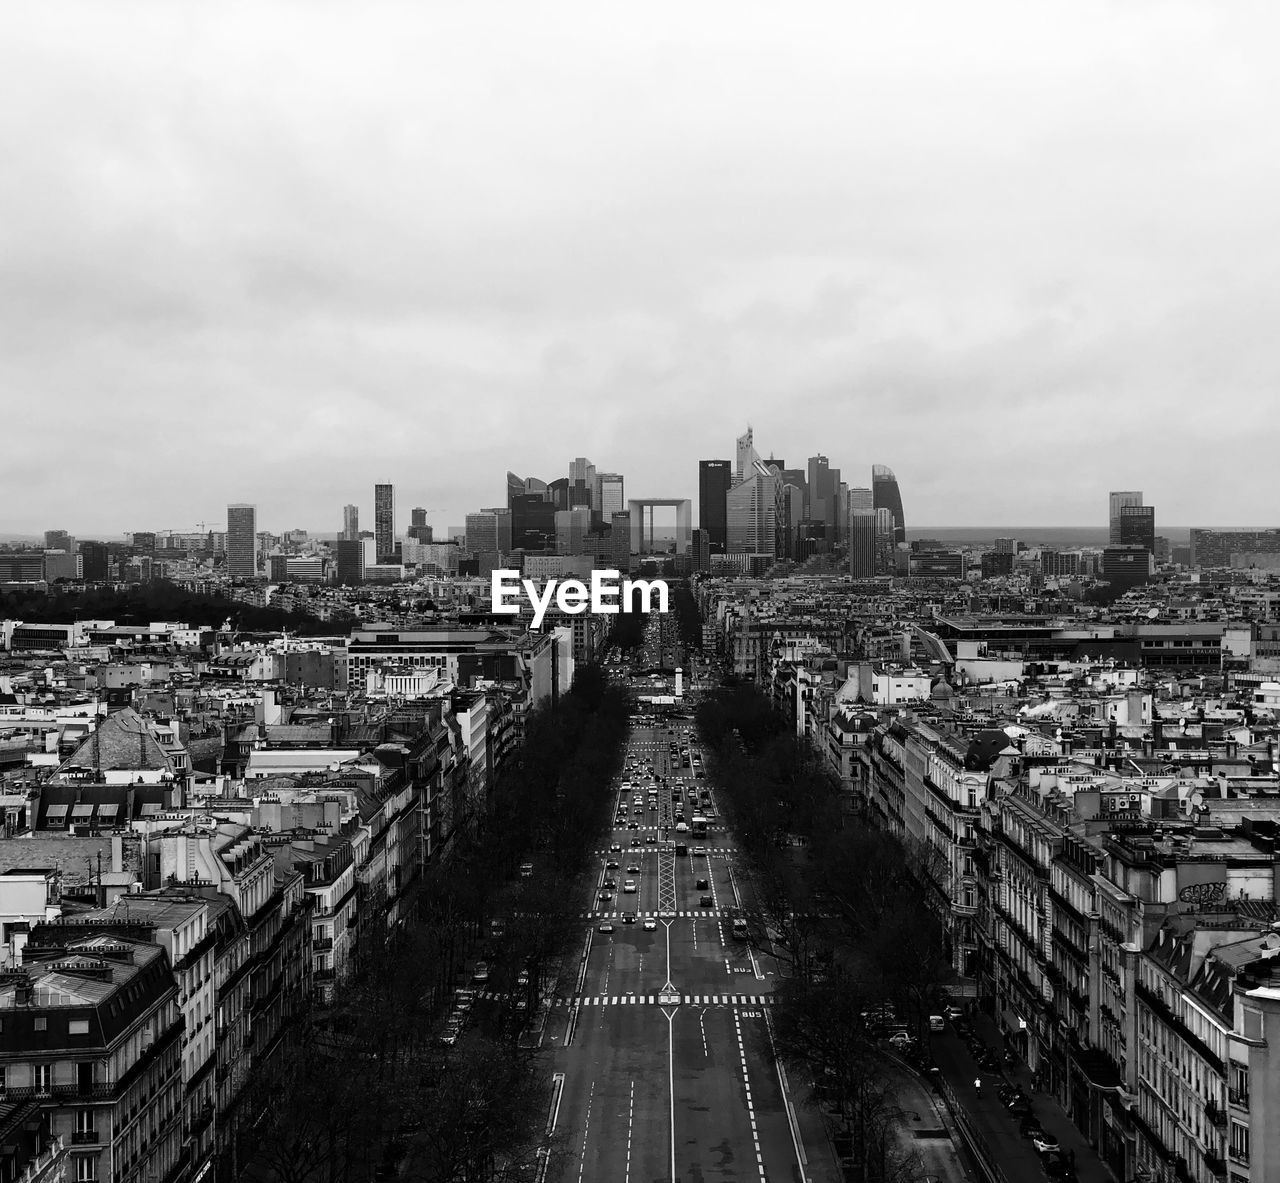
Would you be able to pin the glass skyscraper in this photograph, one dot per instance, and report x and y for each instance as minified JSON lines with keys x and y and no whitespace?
{"x":885,"y":495}
{"x":714,"y":480}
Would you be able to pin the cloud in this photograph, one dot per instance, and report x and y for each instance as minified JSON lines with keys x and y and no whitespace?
{"x":274,"y":252}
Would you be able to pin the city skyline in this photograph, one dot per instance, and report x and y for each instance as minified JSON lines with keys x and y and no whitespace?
{"x":1042,"y":233}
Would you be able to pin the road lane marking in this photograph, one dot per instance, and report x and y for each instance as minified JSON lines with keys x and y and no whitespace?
{"x":751,"y":1109}
{"x":787,"y":1105}
{"x":631,"y":1122}
{"x":671,"y":1084}
{"x":586,"y":1131}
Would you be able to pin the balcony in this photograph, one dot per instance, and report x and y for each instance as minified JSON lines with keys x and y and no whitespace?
{"x":84,"y":1137}
{"x":1214,"y":1164}
{"x":1214,"y":1115}
{"x":324,"y":975}
{"x":322,"y":944}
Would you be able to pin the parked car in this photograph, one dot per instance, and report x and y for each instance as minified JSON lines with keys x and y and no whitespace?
{"x":1044,"y":1142}
{"x":901,"y":1040}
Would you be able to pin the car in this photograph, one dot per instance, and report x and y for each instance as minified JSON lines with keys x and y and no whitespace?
{"x":681,"y":828}
{"x":634,"y":826}
{"x":628,"y":918}
{"x":702,"y":885}
{"x":629,"y":886}
{"x":448,"y":1037}
{"x":1030,"y":1126}
{"x":707,"y":902}
{"x":699,"y":852}
{"x":650,"y":924}
{"x":651,"y":838}
{"x":611,"y":865}
{"x":606,"y":927}
{"x":615,"y":848}
{"x":481,"y":972}
{"x":609,"y":884}
{"x":901,"y":1040}
{"x":522,"y":979}
{"x":1044,"y":1142}
{"x":633,"y":868}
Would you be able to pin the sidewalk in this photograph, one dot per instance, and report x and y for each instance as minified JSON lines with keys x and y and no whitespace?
{"x":993,"y":1129}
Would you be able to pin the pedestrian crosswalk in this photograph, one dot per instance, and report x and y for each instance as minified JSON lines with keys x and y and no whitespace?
{"x":687,"y":914}
{"x":644,"y":847}
{"x":653,"y":1000}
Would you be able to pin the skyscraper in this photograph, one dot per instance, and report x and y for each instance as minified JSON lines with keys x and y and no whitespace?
{"x":1116,"y":502}
{"x":746,"y":456}
{"x":715,"y":477}
{"x":885,"y":495}
{"x":418,"y":516}
{"x":482,"y":532}
{"x":754,"y":512}
{"x":1138,"y":526}
{"x":58,"y":540}
{"x":350,"y":523}
{"x":95,"y":556}
{"x":610,"y":497}
{"x":862,"y":543}
{"x":384,"y":522}
{"x":572,"y":527}
{"x":242,"y":541}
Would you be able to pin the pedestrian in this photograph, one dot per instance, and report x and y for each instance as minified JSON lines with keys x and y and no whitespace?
{"x":977,"y":1084}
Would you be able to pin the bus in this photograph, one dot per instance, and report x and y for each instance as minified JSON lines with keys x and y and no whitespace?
{"x":739,"y":929}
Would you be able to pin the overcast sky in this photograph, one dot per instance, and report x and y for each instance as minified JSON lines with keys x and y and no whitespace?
{"x":1023,"y":253}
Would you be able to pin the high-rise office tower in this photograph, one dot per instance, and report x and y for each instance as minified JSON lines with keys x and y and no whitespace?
{"x":533,"y":522}
{"x":418,"y":516}
{"x":95,"y":557}
{"x":620,"y":536}
{"x":58,"y":540}
{"x":582,"y":484}
{"x":862,"y":543}
{"x":1005,"y":546}
{"x":1116,"y":501}
{"x":610,"y":497}
{"x":885,"y":495}
{"x":746,"y":455}
{"x":482,"y":532}
{"x":384,"y":522}
{"x":715,"y":477}
{"x":350,"y":523}
{"x":572,"y":528}
{"x":822,"y":482}
{"x":242,"y":541}
{"x":753,"y":512}
{"x":1138,"y":526}
{"x":558,"y":493}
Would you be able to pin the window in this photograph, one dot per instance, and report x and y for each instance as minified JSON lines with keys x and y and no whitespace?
{"x":44,"y":1077}
{"x":78,"y":1027}
{"x":86,"y":1168}
{"x":42,"y":1024}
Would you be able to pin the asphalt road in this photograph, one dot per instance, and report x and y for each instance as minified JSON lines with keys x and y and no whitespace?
{"x":665,"y":1044}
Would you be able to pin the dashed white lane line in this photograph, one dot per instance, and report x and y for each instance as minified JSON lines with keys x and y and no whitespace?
{"x":631,"y":1125}
{"x":586,"y":1131}
{"x":751,"y":1109}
